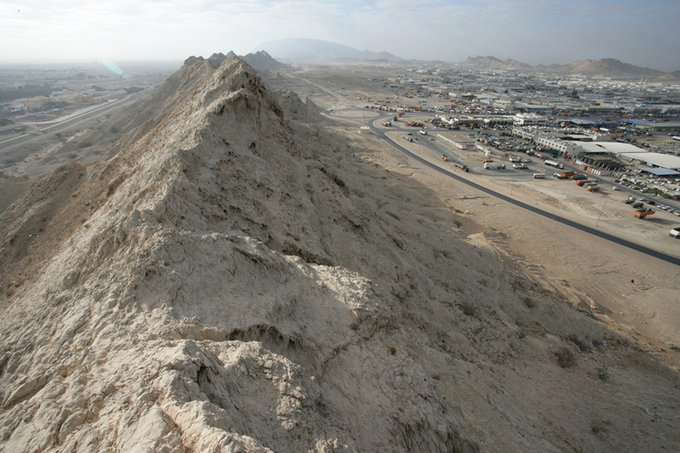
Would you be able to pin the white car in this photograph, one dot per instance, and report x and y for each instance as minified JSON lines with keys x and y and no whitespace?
{"x":616,"y":188}
{"x":675,"y":232}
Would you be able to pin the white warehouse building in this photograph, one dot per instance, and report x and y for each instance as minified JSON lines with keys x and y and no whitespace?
{"x":523,"y":119}
{"x":562,"y":146}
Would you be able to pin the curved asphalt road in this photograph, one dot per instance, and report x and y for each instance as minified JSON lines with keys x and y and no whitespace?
{"x":631,"y":245}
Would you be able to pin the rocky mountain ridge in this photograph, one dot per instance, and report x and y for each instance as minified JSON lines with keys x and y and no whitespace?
{"x":311,"y":50}
{"x":609,"y":67}
{"x":234,"y":278}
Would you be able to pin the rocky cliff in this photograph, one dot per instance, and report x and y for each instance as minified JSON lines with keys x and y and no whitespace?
{"x":231,"y":280}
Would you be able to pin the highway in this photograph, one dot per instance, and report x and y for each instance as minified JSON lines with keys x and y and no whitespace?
{"x":70,"y":120}
{"x":564,"y":221}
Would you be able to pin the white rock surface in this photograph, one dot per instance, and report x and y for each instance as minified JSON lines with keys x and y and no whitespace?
{"x":225,"y":289}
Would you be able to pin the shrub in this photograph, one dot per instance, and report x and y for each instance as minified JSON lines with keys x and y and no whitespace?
{"x":565,"y":358}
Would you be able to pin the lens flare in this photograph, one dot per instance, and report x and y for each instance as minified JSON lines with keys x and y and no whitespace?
{"x":113,"y":67}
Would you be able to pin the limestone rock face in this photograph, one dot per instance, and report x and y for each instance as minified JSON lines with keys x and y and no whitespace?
{"x":230,"y":279}
{"x":200,"y":305}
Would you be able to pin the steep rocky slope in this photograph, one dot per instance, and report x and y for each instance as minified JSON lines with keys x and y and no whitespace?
{"x":229,"y":280}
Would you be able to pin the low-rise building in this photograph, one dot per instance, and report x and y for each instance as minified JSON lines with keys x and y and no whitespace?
{"x":524,"y":119}
{"x":563,"y":147}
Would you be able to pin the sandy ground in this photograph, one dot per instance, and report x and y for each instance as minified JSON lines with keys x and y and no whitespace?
{"x":630,"y":291}
{"x":627,"y":289}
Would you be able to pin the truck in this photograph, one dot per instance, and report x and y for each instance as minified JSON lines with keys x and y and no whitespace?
{"x":594,"y":188}
{"x":582,"y":182}
{"x":444,"y":158}
{"x":408,"y":138}
{"x":567,"y":174}
{"x":495,"y":166}
{"x":579,"y":176}
{"x":462,"y":167}
{"x":519,"y":166}
{"x":644,"y":212}
{"x":387,"y":123}
{"x":423,"y":132}
{"x":554,"y":163}
{"x":515,"y":159}
{"x":539,"y":175}
{"x":628,"y":200}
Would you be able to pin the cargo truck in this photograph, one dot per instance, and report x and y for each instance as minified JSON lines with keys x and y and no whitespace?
{"x":643,"y":212}
{"x":494,"y":166}
{"x":554,"y":163}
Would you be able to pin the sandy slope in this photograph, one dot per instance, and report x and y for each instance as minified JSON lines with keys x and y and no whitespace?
{"x":232,"y":281}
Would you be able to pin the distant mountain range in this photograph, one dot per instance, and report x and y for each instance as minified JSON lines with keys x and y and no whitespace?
{"x":495,"y":63}
{"x":262,"y":61}
{"x":319,"y":51}
{"x":606,"y":67}
{"x":316,"y":50}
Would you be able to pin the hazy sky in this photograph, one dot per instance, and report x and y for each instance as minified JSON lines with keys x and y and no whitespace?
{"x":645,"y":33}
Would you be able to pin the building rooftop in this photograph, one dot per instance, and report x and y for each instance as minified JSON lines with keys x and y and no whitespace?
{"x":667,"y":161}
{"x":661,"y":171}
